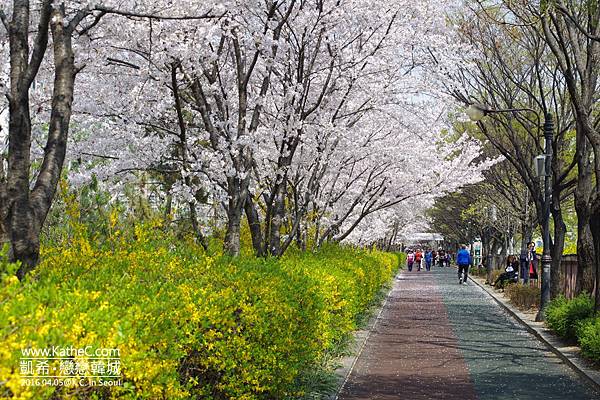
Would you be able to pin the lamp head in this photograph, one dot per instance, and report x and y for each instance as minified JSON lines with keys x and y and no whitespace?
{"x":540,"y":166}
{"x":476,"y":112}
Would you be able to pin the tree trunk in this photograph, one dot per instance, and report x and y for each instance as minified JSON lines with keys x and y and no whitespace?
{"x":595,"y":229}
{"x":24,"y":240}
{"x":197,"y":231}
{"x":526,"y":233}
{"x":304,"y":236}
{"x":21,"y":226}
{"x":559,"y":243}
{"x":505,"y":245}
{"x":238,"y":192}
{"x":583,"y":192}
{"x":317,"y":238}
{"x":168,"y":205}
{"x":585,"y":258}
{"x":277,"y":215}
{"x":254,"y":224}
{"x":25,"y":211}
{"x":496,"y":245}
{"x":299,"y":237}
{"x":232,"y":235}
{"x":24,"y":236}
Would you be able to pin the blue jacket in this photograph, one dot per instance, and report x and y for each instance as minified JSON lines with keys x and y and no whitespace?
{"x":428,"y":256}
{"x":463,"y":257}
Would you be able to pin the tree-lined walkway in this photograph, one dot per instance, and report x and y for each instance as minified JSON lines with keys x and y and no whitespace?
{"x":436,"y":339}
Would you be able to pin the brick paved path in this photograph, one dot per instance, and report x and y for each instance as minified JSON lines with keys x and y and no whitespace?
{"x":436,"y":339}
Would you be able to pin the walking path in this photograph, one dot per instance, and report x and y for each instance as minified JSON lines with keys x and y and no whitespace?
{"x":436,"y":339}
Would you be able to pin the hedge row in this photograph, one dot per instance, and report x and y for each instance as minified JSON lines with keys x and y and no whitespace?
{"x":525,"y":297}
{"x":187,"y":325}
{"x":574,"y":320}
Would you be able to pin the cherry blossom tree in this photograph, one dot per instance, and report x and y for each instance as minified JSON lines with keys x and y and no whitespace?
{"x":283,"y":96}
{"x":29,"y":29}
{"x":315,"y":118}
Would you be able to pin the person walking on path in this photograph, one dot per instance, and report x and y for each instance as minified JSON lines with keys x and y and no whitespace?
{"x":463,"y":259}
{"x":428,"y":259}
{"x":441,"y":257}
{"x":410,"y":259}
{"x":418,"y":259}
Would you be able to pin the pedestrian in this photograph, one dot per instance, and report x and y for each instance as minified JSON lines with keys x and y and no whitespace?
{"x":410,"y":259}
{"x":511,"y":272}
{"x":418,"y":259}
{"x":529,"y":263}
{"x":441,"y":257}
{"x":463,"y":259}
{"x":428,"y":259}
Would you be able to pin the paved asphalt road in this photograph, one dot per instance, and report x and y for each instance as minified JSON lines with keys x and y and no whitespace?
{"x":436,"y":339}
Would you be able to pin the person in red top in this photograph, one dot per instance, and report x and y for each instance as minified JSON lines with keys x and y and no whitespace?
{"x":410,"y":259}
{"x":418,"y":258}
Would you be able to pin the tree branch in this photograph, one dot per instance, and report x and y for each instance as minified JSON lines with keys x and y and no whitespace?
{"x":95,"y":22}
{"x":40,"y":44}
{"x":570,"y":17}
{"x":109,"y":10}
{"x":4,"y":19}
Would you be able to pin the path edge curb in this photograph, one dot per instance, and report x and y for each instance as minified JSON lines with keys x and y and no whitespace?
{"x":360,"y":342}
{"x":572,"y":362}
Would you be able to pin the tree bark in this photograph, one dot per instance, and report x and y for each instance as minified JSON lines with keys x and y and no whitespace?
{"x":25,"y":211}
{"x":526,"y":233}
{"x":595,"y":229}
{"x":254,"y":224}
{"x":557,"y":249}
{"x":197,"y":231}
{"x":585,"y":258}
{"x":168,"y":205}
{"x":583,"y":192}
{"x":238,"y":192}
{"x":232,"y":235}
{"x":277,"y":215}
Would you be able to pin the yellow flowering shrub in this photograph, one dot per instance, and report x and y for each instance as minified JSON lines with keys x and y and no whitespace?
{"x":188,"y":325}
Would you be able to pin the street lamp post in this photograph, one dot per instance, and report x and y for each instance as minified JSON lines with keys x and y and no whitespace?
{"x":477,"y":113}
{"x":546,"y":257}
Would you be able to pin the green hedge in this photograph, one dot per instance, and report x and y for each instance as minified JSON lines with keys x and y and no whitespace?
{"x":401,"y":260}
{"x":588,"y":336}
{"x":188,"y":325}
{"x":563,"y":316}
{"x":574,"y":320}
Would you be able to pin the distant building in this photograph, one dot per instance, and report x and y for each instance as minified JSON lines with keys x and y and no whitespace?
{"x":423,"y":239}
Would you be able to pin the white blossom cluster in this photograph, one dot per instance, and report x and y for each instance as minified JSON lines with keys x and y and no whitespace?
{"x":348,"y":100}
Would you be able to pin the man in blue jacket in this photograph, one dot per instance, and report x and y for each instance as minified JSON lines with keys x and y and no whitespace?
{"x":463,"y":259}
{"x":428,"y":259}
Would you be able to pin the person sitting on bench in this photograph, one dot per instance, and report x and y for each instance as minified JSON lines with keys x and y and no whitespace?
{"x":511,"y":273}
